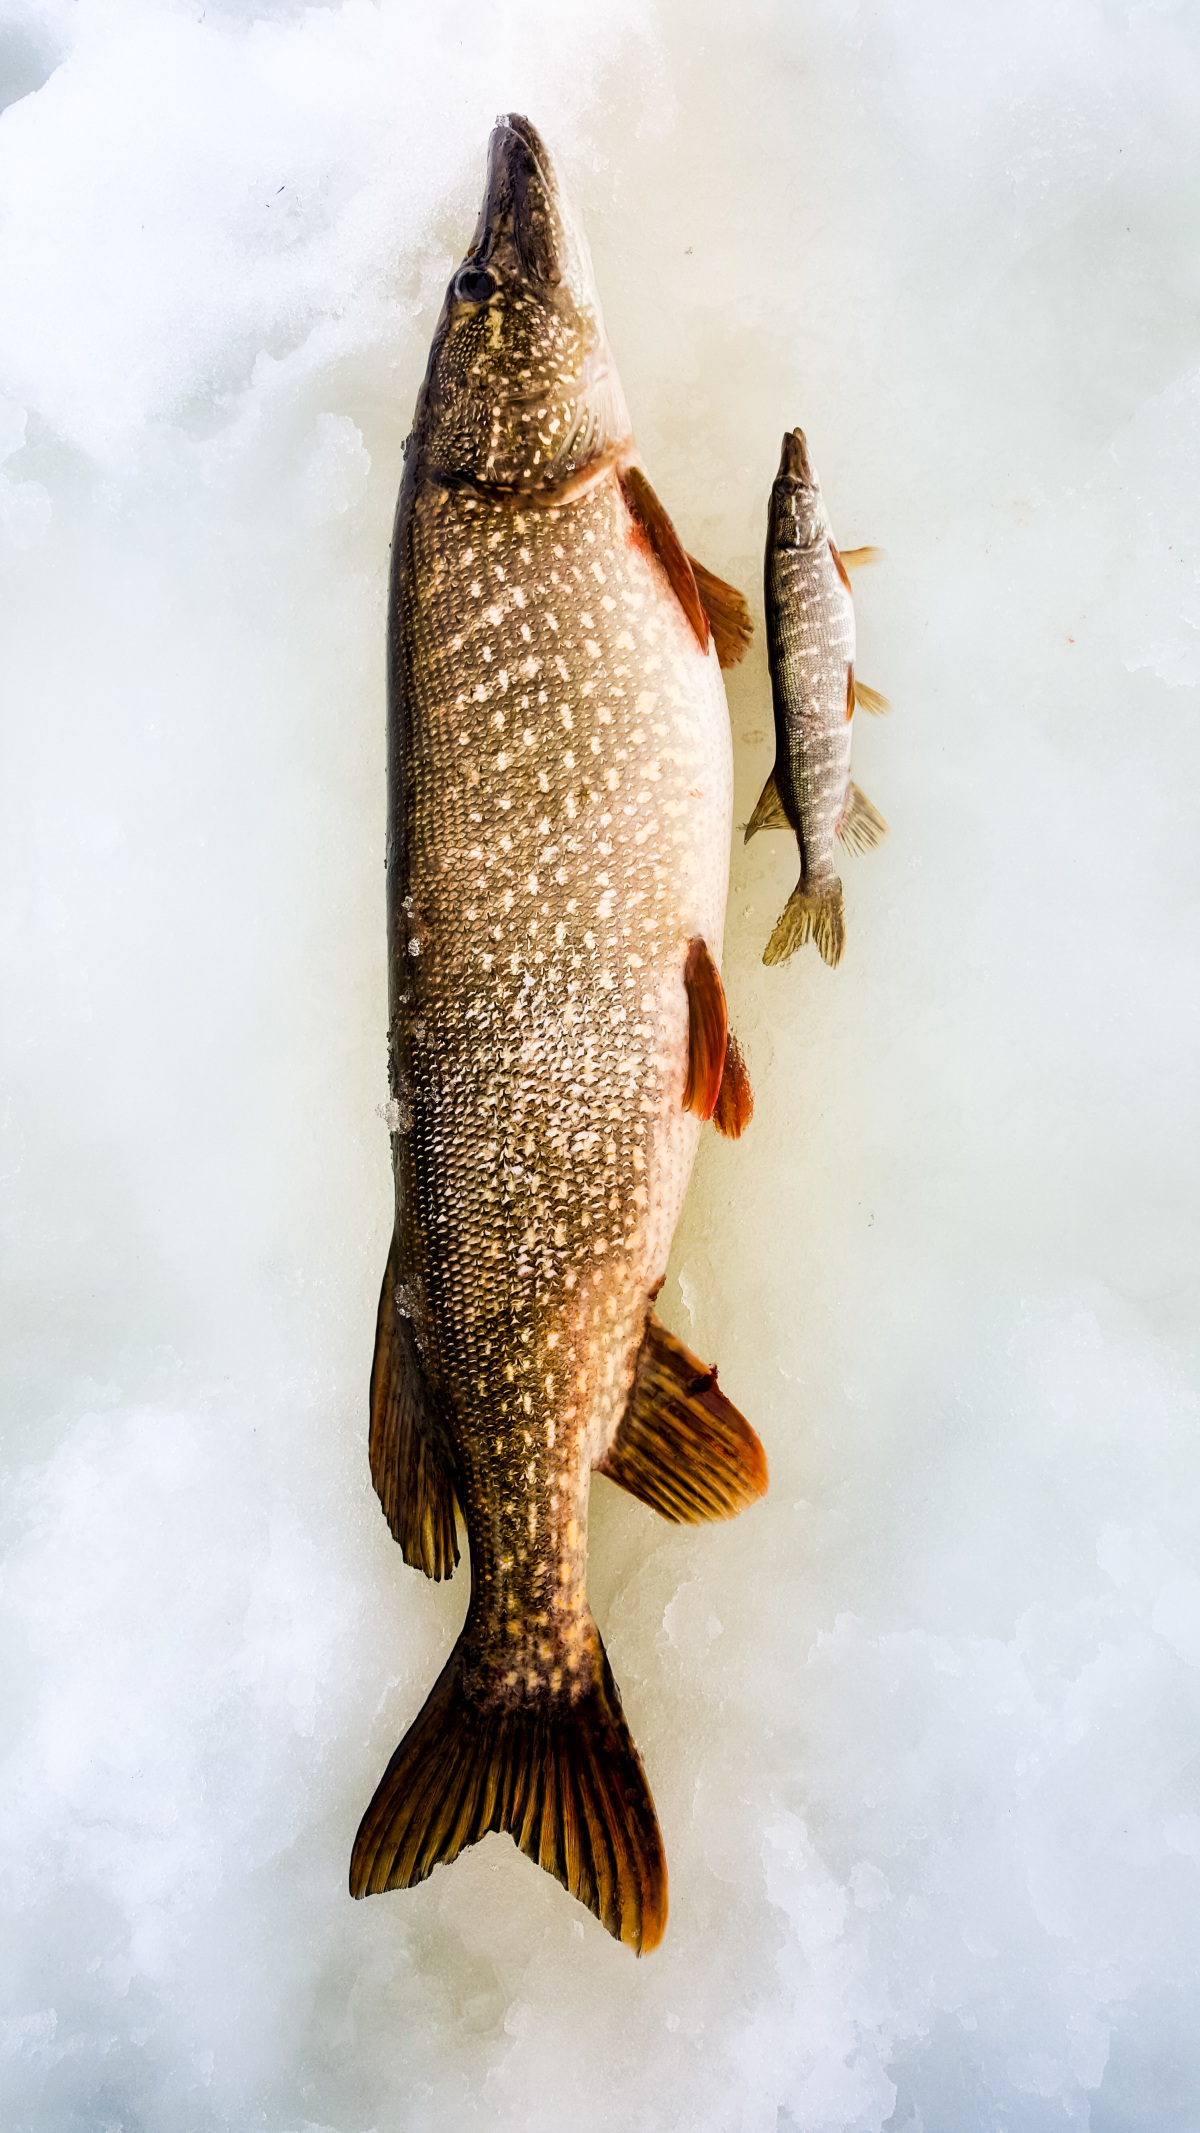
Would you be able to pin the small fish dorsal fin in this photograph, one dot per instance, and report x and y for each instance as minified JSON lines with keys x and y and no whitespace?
{"x":708,"y":1027}
{"x":682,"y":1447}
{"x":410,"y":1466}
{"x":769,"y":810}
{"x":735,"y":1100}
{"x":655,"y":533}
{"x":728,"y":614}
{"x":559,"y":1773}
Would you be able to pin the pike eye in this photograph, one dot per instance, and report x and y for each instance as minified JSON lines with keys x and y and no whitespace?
{"x":474,"y":285}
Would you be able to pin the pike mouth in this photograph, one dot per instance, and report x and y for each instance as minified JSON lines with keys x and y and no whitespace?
{"x":795,"y":466}
{"x":520,"y":233}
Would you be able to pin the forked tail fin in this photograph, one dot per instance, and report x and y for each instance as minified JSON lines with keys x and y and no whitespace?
{"x":810,"y":915}
{"x":562,"y":1777}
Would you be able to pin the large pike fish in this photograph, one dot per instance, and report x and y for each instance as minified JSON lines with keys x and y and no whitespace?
{"x":810,"y":645}
{"x":558,"y":846}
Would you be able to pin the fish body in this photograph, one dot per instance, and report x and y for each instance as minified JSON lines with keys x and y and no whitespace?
{"x":811,"y":649}
{"x":559,"y":817}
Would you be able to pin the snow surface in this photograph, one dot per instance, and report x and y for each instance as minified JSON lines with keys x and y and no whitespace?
{"x":924,"y":1728}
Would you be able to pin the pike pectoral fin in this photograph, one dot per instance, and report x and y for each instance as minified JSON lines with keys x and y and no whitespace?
{"x":409,"y":1465}
{"x":735,"y":1101}
{"x":682,"y":1447}
{"x":810,"y":915}
{"x":858,"y":558}
{"x":654,"y":532}
{"x":769,"y":811}
{"x":839,"y":565}
{"x":727,"y":612}
{"x":870,"y":699}
{"x":562,"y":1776}
{"x":708,"y":1027}
{"x":862,"y":826}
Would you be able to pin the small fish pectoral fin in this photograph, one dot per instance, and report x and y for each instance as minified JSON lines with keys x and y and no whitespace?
{"x":862,"y":826}
{"x":560,"y":1774}
{"x":859,"y":558}
{"x":870,"y":699}
{"x":735,"y":1098}
{"x":810,"y":915}
{"x":682,"y":1447}
{"x":410,"y":1466}
{"x":769,"y":811}
{"x":728,"y":614}
{"x":708,"y":1027}
{"x":655,"y":533}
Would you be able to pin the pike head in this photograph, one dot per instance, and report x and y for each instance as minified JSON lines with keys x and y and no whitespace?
{"x":798,"y":515}
{"x":521,"y":396}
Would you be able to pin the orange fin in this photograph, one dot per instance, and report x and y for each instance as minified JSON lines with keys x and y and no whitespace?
{"x":840,"y":568}
{"x":858,"y":558}
{"x":810,"y":915}
{"x":735,"y":1103}
{"x":727,"y":612}
{"x":769,"y":811}
{"x":708,"y":1025}
{"x":561,"y":1775}
{"x":850,"y":692}
{"x":682,"y":1447}
{"x":656,"y":534}
{"x":410,"y":1460}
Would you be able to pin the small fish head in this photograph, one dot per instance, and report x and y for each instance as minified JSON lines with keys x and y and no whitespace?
{"x":798,"y":515}
{"x":521,"y":392}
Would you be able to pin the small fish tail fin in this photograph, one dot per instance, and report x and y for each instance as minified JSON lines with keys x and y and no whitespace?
{"x":810,"y":915}
{"x":410,"y":1458}
{"x":560,"y":1774}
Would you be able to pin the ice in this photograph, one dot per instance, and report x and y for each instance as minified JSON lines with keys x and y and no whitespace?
{"x":924,"y":1728}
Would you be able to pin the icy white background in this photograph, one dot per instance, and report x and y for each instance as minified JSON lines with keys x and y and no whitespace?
{"x":924,"y":1729}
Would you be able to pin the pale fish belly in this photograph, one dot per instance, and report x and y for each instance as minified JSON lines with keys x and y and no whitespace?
{"x":568,"y":771}
{"x":819,"y":644}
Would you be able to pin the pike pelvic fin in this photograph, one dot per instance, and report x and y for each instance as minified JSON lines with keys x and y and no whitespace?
{"x":682,"y":1447}
{"x":410,"y":1466}
{"x":708,"y":1029}
{"x":810,"y":915}
{"x":735,"y":1098}
{"x":728,"y":614}
{"x":862,"y":826}
{"x":769,"y":811}
{"x":562,"y":1777}
{"x":870,"y":699}
{"x":858,"y":558}
{"x":653,"y":531}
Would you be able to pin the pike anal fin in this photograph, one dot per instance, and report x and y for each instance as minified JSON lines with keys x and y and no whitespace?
{"x":728,"y":614}
{"x":410,"y":1466}
{"x":735,"y":1099}
{"x":708,"y":1028}
{"x":862,"y":826}
{"x":682,"y":1447}
{"x":561,"y":1775}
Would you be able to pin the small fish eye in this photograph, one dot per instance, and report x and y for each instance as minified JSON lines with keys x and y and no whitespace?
{"x":474,"y":285}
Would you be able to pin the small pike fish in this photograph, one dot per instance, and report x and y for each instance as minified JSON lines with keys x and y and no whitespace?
{"x":810,"y":637}
{"x":559,"y":781}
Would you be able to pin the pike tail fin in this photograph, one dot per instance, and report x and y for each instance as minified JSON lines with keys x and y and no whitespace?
{"x":561,"y":1776}
{"x":810,"y":915}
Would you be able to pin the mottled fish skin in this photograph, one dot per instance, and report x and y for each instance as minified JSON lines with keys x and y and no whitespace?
{"x":560,"y":789}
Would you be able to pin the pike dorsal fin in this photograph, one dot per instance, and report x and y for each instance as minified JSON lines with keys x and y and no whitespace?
{"x":769,"y":812}
{"x":708,"y":1028}
{"x":727,"y":612}
{"x":735,"y":1101}
{"x":410,"y":1464}
{"x":682,"y":1447}
{"x":654,"y":532}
